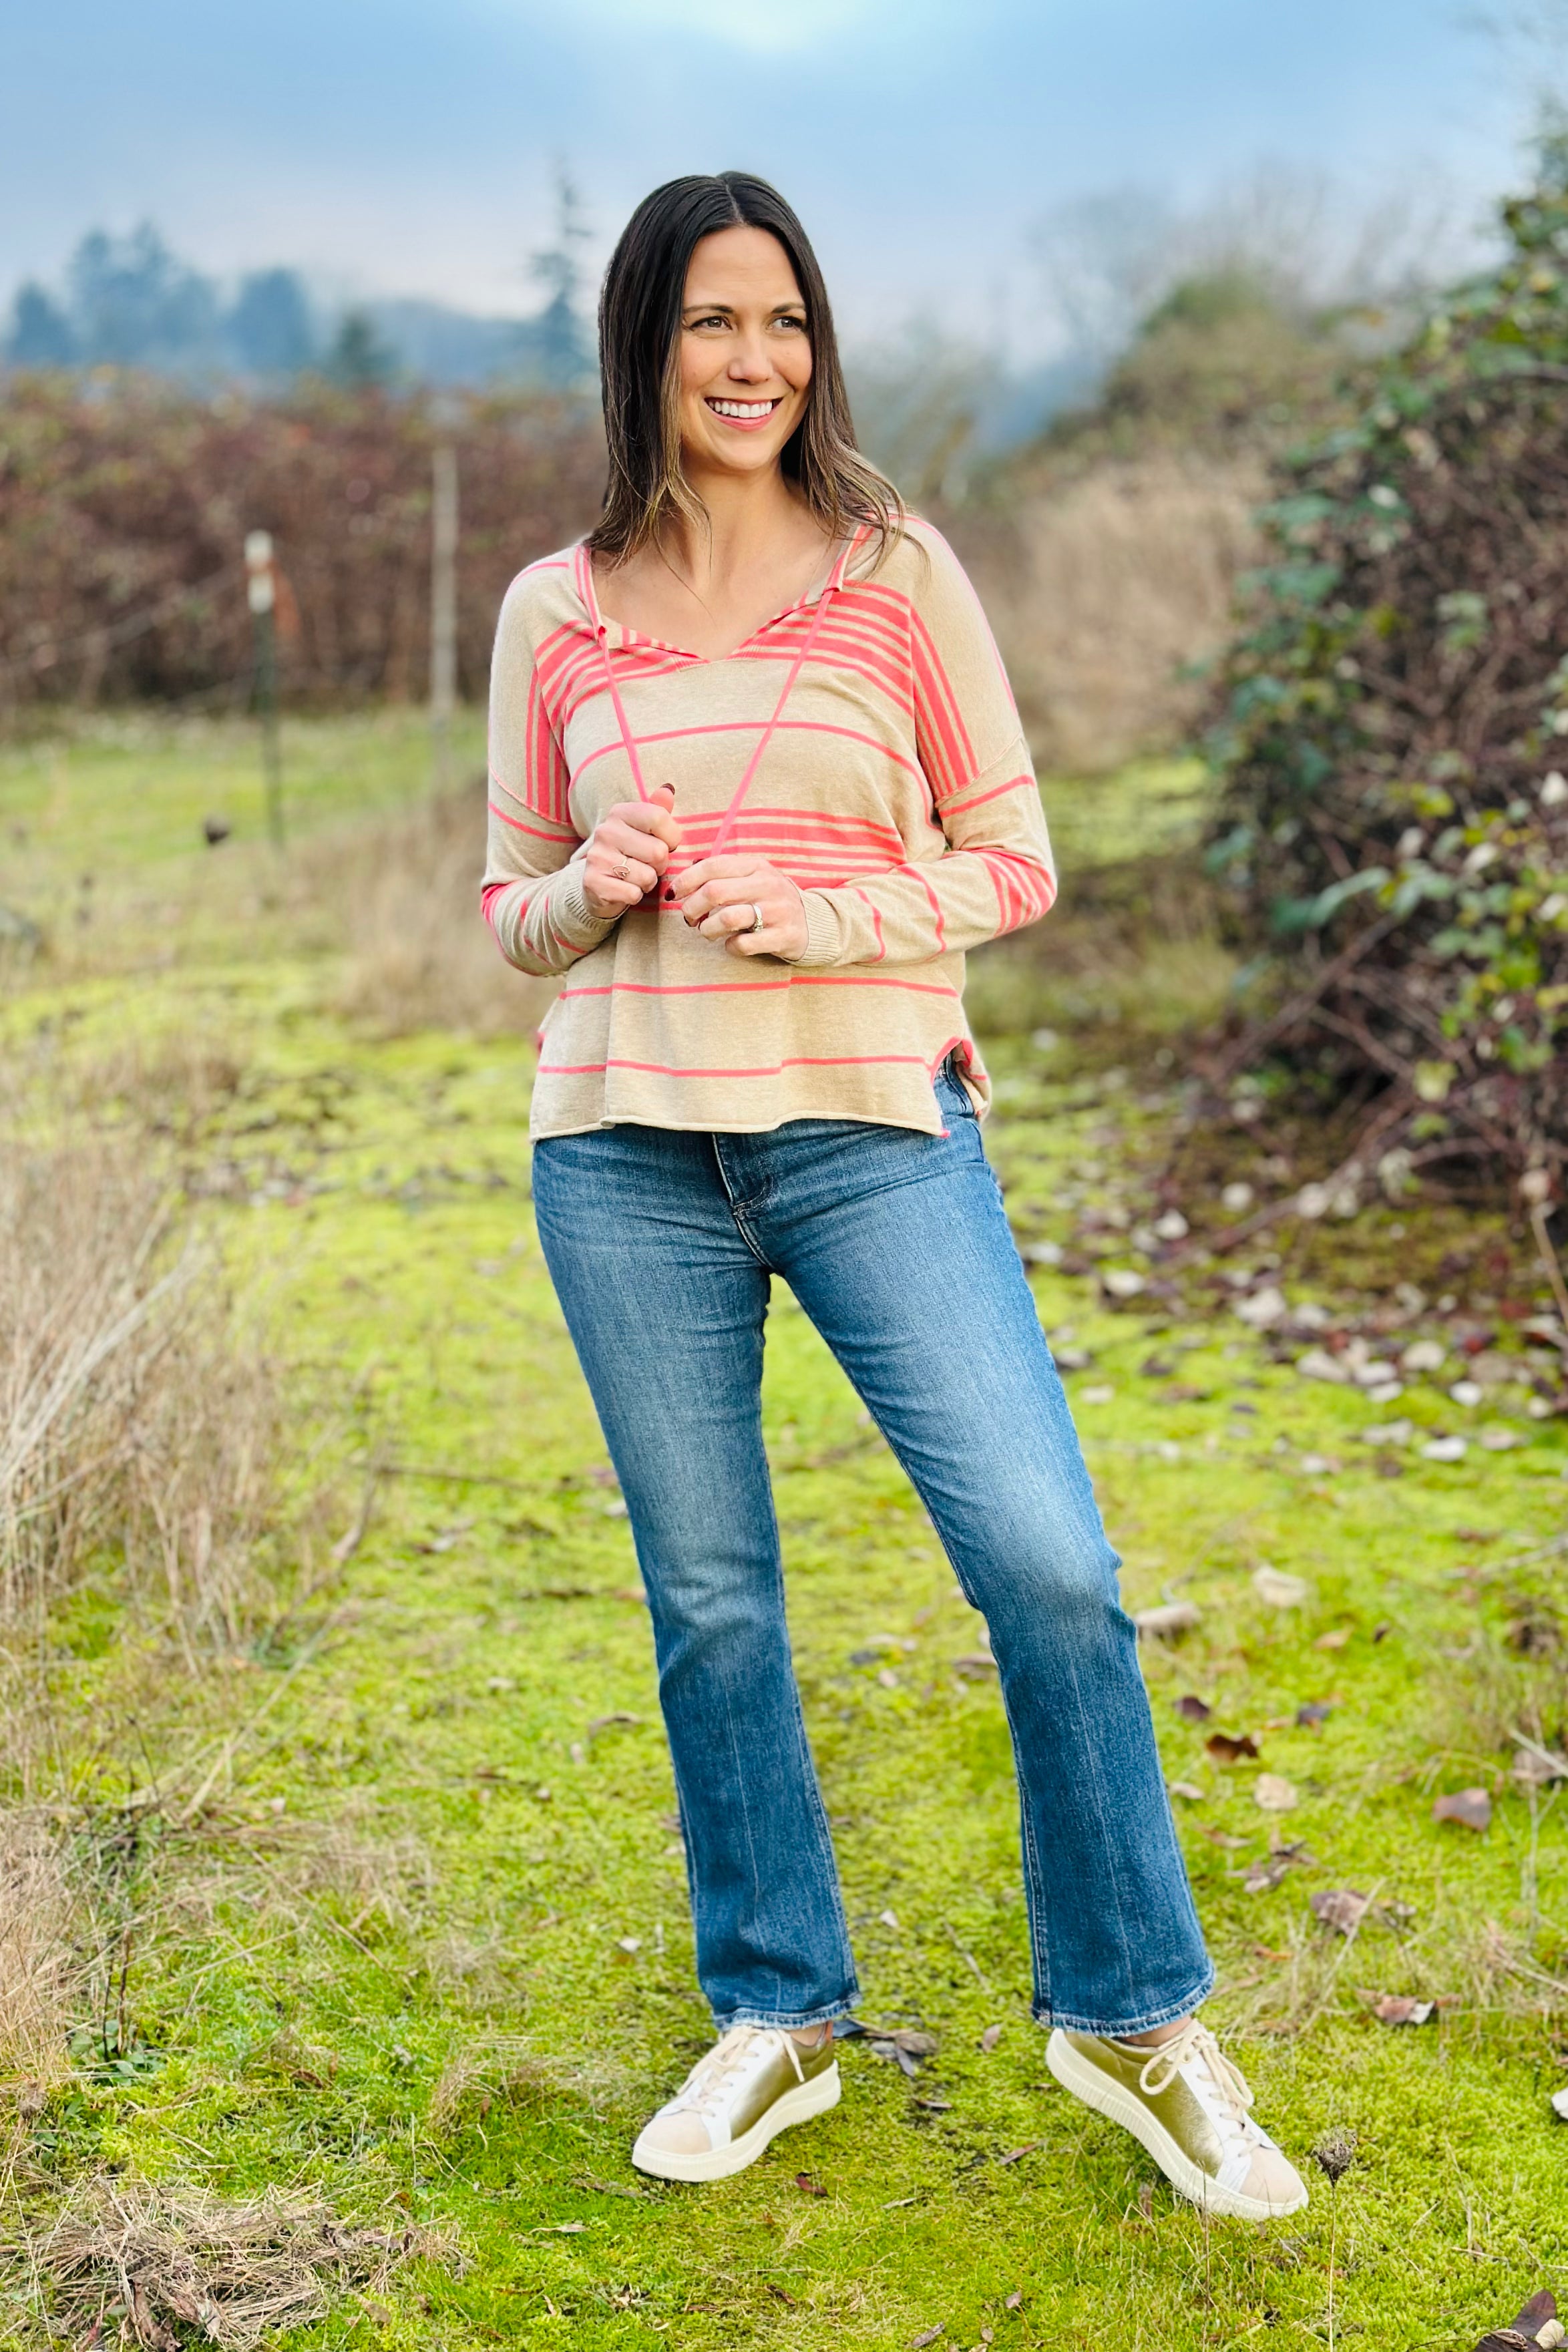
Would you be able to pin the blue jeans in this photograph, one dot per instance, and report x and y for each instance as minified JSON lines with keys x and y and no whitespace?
{"x":661,"y":1244}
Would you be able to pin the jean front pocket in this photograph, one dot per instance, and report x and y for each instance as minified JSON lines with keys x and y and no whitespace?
{"x":951,"y":1094}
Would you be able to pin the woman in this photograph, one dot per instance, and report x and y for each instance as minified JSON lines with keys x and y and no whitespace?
{"x":759,"y":783}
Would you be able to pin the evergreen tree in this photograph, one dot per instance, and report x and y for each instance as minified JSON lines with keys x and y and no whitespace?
{"x":40,"y":334}
{"x":270,"y":325}
{"x":358,"y":357}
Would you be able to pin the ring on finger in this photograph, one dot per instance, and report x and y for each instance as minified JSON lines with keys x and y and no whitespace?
{"x":624,"y":870}
{"x":759,"y":921}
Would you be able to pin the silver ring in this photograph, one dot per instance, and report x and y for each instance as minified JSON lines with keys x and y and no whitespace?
{"x":623,"y":871}
{"x":759,"y":921}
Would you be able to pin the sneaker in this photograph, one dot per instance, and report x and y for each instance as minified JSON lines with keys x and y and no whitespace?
{"x":755,"y":2082}
{"x":1188,"y":2104}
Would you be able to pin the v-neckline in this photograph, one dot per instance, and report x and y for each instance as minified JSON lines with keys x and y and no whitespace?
{"x":813,"y":593}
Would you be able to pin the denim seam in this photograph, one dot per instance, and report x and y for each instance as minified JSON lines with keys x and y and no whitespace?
{"x":792,"y":2021}
{"x":738,"y":1209}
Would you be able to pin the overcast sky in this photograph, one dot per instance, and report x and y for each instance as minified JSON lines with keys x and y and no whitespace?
{"x":405,"y":146}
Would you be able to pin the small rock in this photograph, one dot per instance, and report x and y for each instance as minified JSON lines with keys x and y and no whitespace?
{"x":1172,"y":1227}
{"x":1424,"y":1355}
{"x":1275,"y":1793}
{"x":1467,"y":1392}
{"x":1170,"y":1620}
{"x":1262,"y":1309}
{"x":1321,"y":1465}
{"x":1043,"y":1252}
{"x":1498,"y":1440}
{"x":1386,"y":1393}
{"x":1388,"y":1432}
{"x":1313,"y":1201}
{"x":1278,"y":1591}
{"x":1560,"y":2104}
{"x":1123,"y":1282}
{"x":1102,"y":1394}
{"x":1445,"y":1449}
{"x":1374,"y":1375}
{"x":1237,"y":1199}
{"x":1317,"y":1364}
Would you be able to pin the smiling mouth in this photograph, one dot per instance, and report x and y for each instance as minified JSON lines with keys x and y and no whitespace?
{"x":744,"y":412}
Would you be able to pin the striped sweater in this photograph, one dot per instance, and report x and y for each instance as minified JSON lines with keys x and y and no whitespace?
{"x":894,"y":785}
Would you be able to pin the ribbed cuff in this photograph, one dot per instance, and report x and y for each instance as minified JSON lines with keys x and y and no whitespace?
{"x":570,"y":913}
{"x":824,"y":930}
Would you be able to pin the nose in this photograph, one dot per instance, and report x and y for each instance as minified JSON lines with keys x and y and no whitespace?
{"x":749,"y":362}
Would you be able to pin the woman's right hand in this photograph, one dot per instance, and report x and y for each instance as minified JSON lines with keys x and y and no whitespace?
{"x":628,"y":853}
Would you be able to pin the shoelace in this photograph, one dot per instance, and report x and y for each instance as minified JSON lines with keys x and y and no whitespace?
{"x":709,"y":2086}
{"x":1195,"y":2041}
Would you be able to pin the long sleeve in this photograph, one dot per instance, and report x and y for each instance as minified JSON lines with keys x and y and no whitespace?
{"x":992,"y":871}
{"x":532,"y":890}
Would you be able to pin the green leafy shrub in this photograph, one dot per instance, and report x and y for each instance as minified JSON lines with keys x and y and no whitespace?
{"x":1393,"y":743}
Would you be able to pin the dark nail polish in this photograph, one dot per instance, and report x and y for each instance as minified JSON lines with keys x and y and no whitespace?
{"x":669,"y":897}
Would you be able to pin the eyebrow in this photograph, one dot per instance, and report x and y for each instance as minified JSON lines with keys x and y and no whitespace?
{"x":790,"y":302}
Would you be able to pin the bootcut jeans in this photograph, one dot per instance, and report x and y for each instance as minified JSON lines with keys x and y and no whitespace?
{"x":661,"y":1244}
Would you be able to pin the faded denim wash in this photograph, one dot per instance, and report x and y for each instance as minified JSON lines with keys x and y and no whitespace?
{"x":661,"y":1244}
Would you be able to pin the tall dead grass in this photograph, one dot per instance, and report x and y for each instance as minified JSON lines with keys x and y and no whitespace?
{"x":1106,"y":587}
{"x":136,"y":1429}
{"x":404,"y":890}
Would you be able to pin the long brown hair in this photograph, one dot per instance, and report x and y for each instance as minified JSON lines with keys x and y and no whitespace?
{"x":639,"y":363}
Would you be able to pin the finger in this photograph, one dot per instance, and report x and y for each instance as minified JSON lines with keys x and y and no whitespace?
{"x":726,"y":921}
{"x":605,"y":893}
{"x":612,"y":840}
{"x":647,"y":816}
{"x":626,"y":873}
{"x":725,"y":867}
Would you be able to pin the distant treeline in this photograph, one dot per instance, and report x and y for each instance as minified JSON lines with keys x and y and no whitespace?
{"x":123,"y":511}
{"x":131,"y":302}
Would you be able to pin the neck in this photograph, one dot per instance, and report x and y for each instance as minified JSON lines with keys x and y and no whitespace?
{"x":746,"y":514}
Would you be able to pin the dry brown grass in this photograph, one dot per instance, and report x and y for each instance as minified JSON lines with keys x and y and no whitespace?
{"x":404,"y":892}
{"x":41,"y":1967}
{"x":1109,"y":582}
{"x":128,"y":2260}
{"x":136,"y":1429}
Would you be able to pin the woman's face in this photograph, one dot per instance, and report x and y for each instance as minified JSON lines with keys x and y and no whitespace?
{"x":745,"y":357}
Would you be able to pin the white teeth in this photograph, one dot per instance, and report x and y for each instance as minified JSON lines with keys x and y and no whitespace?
{"x":747,"y":408}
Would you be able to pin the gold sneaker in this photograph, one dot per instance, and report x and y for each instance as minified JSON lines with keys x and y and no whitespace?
{"x":1188,"y":2104}
{"x":755,"y":2082}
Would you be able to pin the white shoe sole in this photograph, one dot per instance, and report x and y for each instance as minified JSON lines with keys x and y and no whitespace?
{"x":1087,"y":2082}
{"x":796,"y":2107}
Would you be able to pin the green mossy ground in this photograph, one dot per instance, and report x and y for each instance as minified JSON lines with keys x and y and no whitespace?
{"x":426,"y":1952}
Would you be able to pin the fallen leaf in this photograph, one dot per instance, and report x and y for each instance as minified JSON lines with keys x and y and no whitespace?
{"x":1223,"y":1838}
{"x":973,"y":1665}
{"x":1123,"y":1282}
{"x":1278,"y":1591}
{"x":1445,"y":1449}
{"x":1191,"y":1709}
{"x":1228,"y":1748}
{"x":1471,"y":1808}
{"x":886,"y":1918}
{"x":1016,"y":2300}
{"x":1317,"y":1364}
{"x":930,"y":2336}
{"x":1266,"y":1874}
{"x":1263,"y":1309}
{"x":1340,"y":1907}
{"x":1146,"y":2199}
{"x":990,"y":2038}
{"x":1336,"y":1640}
{"x":1398,"y":2009}
{"x":936,"y":2106}
{"x":1189,"y":1789}
{"x":804,"y":2181}
{"x":569,"y":2229}
{"x":1015,"y":2153}
{"x":1316,"y":1711}
{"x":1099,"y":1394}
{"x":1164,"y":1623}
{"x":603,"y":1722}
{"x":1538,"y":1767}
{"x":1275,"y":1793}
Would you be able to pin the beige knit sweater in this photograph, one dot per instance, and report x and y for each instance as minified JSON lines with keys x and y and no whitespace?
{"x":884,"y":769}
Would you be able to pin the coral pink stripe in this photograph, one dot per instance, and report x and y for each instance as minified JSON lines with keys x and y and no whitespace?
{"x":793,"y":1062}
{"x":753,"y":987}
{"x":751,"y":726}
{"x":1018,"y":783}
{"x":875,"y":925}
{"x":518,"y":826}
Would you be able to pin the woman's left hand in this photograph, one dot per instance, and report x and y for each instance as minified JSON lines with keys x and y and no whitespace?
{"x":719,"y":896}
